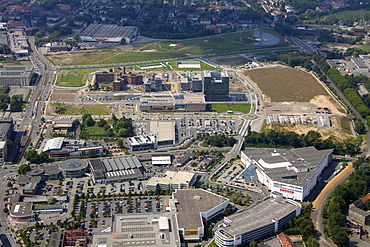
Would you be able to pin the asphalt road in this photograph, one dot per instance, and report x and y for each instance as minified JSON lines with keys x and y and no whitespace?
{"x":316,"y":215}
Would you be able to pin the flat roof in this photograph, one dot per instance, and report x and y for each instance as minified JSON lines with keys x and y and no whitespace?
{"x":140,"y":230}
{"x":109,"y":31}
{"x":259,"y":215}
{"x":21,"y":209}
{"x":191,"y":202}
{"x":172,"y":177}
{"x":141,"y":140}
{"x":120,"y":163}
{"x":164,"y":130}
{"x":217,"y":74}
{"x":275,"y":162}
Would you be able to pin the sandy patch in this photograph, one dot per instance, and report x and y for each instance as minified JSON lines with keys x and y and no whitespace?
{"x":65,"y":96}
{"x":327,"y":101}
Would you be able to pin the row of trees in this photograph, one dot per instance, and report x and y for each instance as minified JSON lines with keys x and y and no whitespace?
{"x":336,"y":206}
{"x":289,"y":139}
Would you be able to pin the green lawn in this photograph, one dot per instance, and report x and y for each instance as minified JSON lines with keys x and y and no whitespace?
{"x":235,"y":107}
{"x":212,"y":244}
{"x":73,"y":78}
{"x":66,"y":109}
{"x":229,"y":42}
{"x":95,"y":130}
{"x":346,"y":125}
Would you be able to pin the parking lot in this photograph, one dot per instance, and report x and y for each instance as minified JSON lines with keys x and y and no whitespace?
{"x":98,"y":213}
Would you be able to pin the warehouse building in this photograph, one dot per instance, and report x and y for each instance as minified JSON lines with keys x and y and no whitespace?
{"x":172,"y":180}
{"x":116,"y":170}
{"x":188,"y":65}
{"x":360,"y":65}
{"x":16,"y":75}
{"x":263,"y":219}
{"x":161,"y":157}
{"x":108,"y":33}
{"x":294,"y":173}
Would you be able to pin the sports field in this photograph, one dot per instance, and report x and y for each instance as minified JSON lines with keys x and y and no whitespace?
{"x":73,"y":78}
{"x":162,"y":50}
{"x":283,"y":84}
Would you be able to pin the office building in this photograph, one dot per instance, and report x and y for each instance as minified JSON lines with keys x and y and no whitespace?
{"x":215,"y":85}
{"x":16,"y":75}
{"x":74,"y":168}
{"x":263,"y":219}
{"x":172,"y":180}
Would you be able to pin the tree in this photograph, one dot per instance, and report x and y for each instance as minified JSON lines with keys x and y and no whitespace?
{"x":9,"y":184}
{"x":120,"y":143}
{"x":5,"y":210}
{"x":123,"y":41}
{"x":51,"y":200}
{"x":22,"y":169}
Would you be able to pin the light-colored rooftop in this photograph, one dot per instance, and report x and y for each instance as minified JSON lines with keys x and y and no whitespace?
{"x":140,"y":230}
{"x":164,"y":130}
{"x":260,"y":215}
{"x":172,"y":177}
{"x":191,"y":202}
{"x":53,"y":144}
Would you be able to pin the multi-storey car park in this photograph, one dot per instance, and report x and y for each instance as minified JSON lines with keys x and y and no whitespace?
{"x":294,"y":173}
{"x":263,"y":219}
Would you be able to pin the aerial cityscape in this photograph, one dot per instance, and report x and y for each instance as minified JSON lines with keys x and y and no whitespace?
{"x":184,"y":123}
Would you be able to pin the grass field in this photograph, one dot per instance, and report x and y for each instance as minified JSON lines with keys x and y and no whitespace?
{"x":73,"y":78}
{"x":346,"y":125}
{"x":95,"y":130}
{"x":93,"y":109}
{"x":286,"y":84}
{"x":235,"y":107}
{"x":164,"y":50}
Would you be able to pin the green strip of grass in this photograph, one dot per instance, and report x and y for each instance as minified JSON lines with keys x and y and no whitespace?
{"x":235,"y":107}
{"x":73,"y":78}
{"x":346,"y":125}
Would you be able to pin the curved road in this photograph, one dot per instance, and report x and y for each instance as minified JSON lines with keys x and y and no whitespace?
{"x":318,"y":204}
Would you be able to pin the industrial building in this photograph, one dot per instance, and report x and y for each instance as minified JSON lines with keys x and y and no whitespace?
{"x":64,"y":125}
{"x":57,"y":46}
{"x":165,"y":132}
{"x":73,"y":168}
{"x":140,"y":230}
{"x":172,"y":180}
{"x":263,"y":219}
{"x":361,"y":67}
{"x":161,"y":157}
{"x":108,"y":33}
{"x":215,"y":85}
{"x":194,"y":208}
{"x":183,"y":159}
{"x":188,"y":65}
{"x":294,"y":173}
{"x":116,"y":170}
{"x":16,"y":75}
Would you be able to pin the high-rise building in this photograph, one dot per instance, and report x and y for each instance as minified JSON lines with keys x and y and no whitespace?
{"x":216,"y":85}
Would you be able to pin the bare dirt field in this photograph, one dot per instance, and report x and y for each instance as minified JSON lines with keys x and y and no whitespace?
{"x":65,"y":96}
{"x":284,"y":84}
{"x":236,"y":86}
